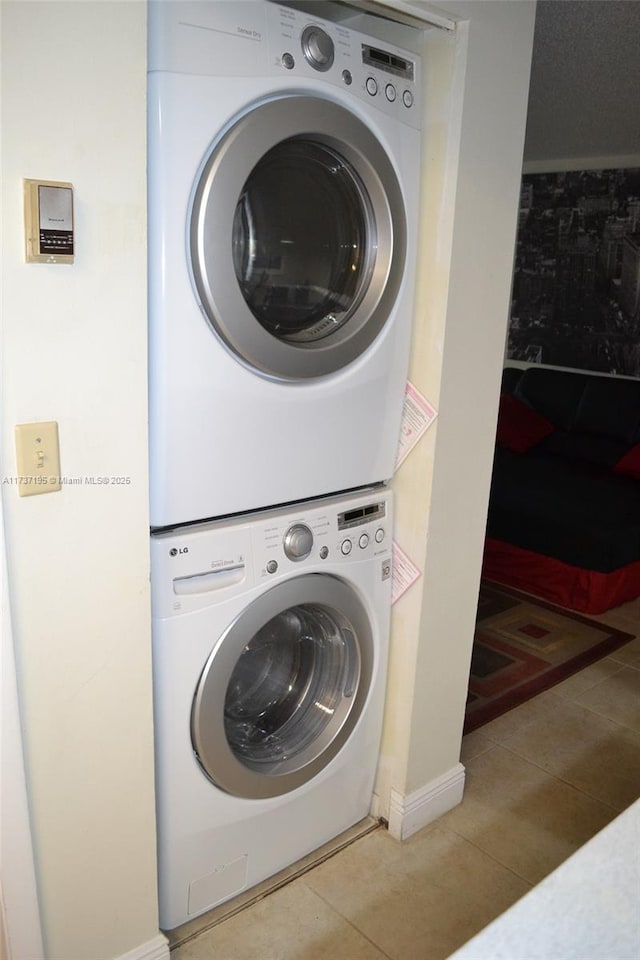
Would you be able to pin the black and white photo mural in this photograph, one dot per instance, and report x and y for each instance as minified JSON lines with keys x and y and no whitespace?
{"x":576,"y":286}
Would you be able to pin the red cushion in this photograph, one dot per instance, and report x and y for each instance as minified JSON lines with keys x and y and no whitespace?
{"x":520,"y":427}
{"x":630,"y":463}
{"x":588,"y":591}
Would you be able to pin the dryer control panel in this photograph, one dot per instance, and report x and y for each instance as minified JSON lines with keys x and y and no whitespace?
{"x":385,"y":76}
{"x":228,"y":39}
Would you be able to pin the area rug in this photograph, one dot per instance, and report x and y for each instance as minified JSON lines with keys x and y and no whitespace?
{"x":523,"y":646}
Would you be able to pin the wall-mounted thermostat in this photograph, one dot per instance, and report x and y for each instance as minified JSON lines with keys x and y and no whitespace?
{"x":48,"y":221}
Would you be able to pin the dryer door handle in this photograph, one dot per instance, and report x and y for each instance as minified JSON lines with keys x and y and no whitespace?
{"x":206,"y":582}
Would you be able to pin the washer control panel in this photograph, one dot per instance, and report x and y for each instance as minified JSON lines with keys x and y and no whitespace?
{"x":322,"y":534}
{"x":205,"y":563}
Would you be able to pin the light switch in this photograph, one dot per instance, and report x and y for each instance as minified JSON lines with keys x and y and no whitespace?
{"x":48,"y":221}
{"x":38,"y":458}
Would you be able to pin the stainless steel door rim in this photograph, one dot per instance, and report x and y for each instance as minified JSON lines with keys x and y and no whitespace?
{"x":265,"y":729}
{"x":324,"y":125}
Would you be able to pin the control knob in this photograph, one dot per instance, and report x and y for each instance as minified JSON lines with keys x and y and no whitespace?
{"x":317,"y":47}
{"x":298,"y":541}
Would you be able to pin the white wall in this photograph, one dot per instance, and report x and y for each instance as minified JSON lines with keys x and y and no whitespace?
{"x":20,"y":931}
{"x":476,"y":85}
{"x":74,"y":350}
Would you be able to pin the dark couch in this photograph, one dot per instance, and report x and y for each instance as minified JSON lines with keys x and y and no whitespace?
{"x":564,"y":510}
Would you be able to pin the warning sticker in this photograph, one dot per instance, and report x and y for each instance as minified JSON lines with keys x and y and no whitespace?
{"x":405,"y":573}
{"x":417,"y":417}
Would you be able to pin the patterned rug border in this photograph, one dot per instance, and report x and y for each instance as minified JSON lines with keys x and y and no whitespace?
{"x":547,"y":605}
{"x":530,"y":688}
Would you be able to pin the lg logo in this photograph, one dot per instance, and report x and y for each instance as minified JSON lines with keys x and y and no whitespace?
{"x":175,"y":551}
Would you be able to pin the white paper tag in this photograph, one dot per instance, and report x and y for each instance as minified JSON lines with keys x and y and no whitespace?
{"x":405,"y":573}
{"x":417,"y":417}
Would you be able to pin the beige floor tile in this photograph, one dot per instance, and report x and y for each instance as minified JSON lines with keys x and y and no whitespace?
{"x":418,"y":900}
{"x":473,"y":744}
{"x":625,"y":617}
{"x":617,"y":697}
{"x":520,"y":717}
{"x":629,"y":654}
{"x":291,"y":924}
{"x":585,"y":679}
{"x":591,"y":752}
{"x":523,"y":817}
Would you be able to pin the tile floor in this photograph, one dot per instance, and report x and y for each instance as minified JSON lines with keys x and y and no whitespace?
{"x":541,"y":780}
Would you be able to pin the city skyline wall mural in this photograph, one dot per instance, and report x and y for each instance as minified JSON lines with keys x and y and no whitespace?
{"x":576,"y":285}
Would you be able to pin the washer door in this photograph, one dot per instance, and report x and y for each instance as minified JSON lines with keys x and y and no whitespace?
{"x":283,"y":688}
{"x":298,"y":237}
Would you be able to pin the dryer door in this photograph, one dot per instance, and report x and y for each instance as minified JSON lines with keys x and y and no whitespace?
{"x":283,"y":688}
{"x":297,"y":237}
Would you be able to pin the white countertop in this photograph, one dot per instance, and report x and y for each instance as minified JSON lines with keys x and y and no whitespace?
{"x":587,"y":909}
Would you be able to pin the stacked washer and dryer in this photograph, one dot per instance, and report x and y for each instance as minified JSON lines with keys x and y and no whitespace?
{"x":284,"y":157}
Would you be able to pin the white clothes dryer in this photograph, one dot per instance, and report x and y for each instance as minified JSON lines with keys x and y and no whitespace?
{"x":284,"y":156}
{"x":270,"y":636}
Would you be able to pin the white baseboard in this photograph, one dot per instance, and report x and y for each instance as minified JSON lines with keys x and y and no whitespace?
{"x":156,"y":949}
{"x":408,"y":814}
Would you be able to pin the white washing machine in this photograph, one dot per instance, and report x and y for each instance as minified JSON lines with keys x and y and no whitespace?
{"x":284,"y":156}
{"x":270,"y":637}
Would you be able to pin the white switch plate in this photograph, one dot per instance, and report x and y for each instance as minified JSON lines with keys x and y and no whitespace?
{"x":38,"y":458}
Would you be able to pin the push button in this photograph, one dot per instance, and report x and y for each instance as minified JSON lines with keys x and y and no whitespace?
{"x":364,"y":541}
{"x":407,"y":98}
{"x":372,"y":86}
{"x":272,"y":566}
{"x":379,"y":535}
{"x":346,"y":546}
{"x":390,"y":92}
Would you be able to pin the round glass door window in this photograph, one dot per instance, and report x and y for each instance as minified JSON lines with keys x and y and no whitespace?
{"x":303,"y":241}
{"x":282,"y":691}
{"x":297,"y":237}
{"x":291,"y":681}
